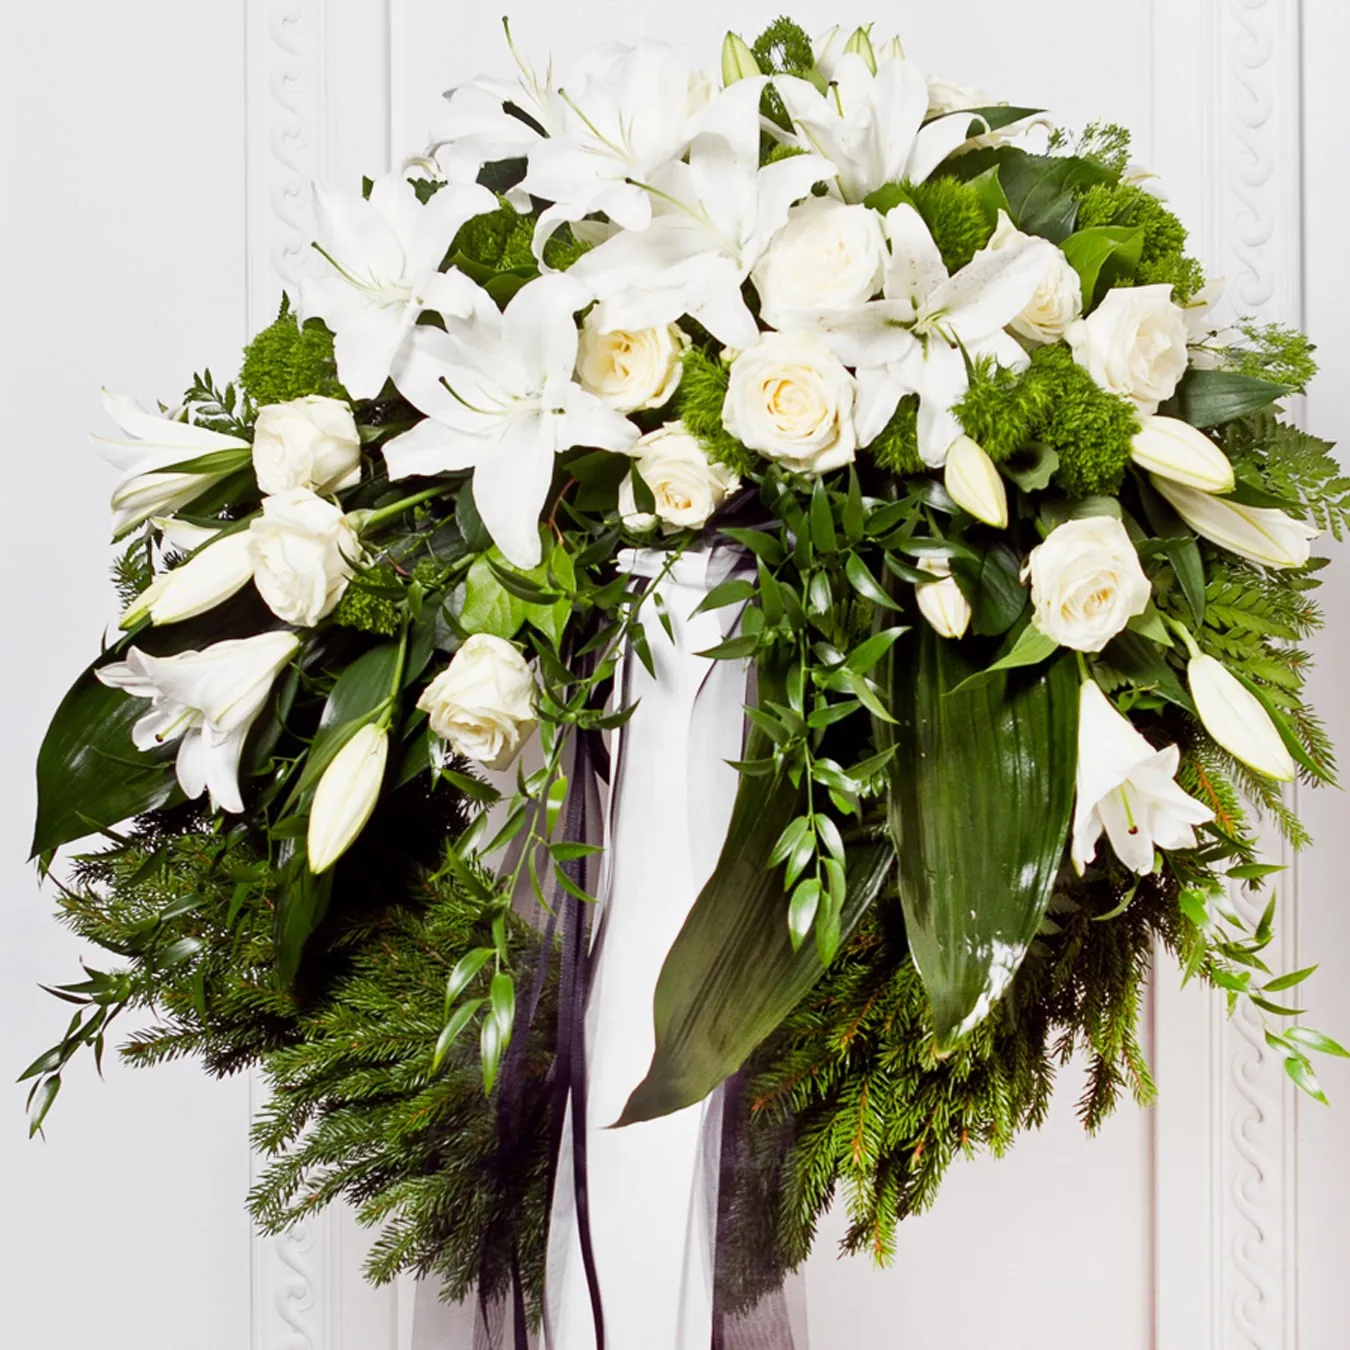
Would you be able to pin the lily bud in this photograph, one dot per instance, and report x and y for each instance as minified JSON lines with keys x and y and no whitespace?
{"x":1233,"y":715}
{"x":346,"y":796}
{"x":206,"y":580}
{"x":891,"y":50}
{"x":975,"y":484}
{"x":738,"y":61}
{"x":1175,"y":450}
{"x":941,"y":602}
{"x":861,"y":42}
{"x":1261,"y":534}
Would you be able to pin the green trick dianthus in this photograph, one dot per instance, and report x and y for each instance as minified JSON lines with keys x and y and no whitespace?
{"x":703,"y":390}
{"x":286,"y":361}
{"x":783,"y":48}
{"x":897,"y":447}
{"x":954,"y":215}
{"x":1163,"y":258}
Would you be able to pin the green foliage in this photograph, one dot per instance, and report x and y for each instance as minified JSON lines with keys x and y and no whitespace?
{"x":286,"y":361}
{"x":1270,"y":352}
{"x":503,"y":240}
{"x":703,"y":389}
{"x":1294,"y":465}
{"x":784,"y":48}
{"x":1056,"y":403}
{"x":1163,"y":258}
{"x":897,"y":447}
{"x":955,"y":216}
{"x":780,"y":150}
{"x":1105,"y":143}
{"x":133,"y":569}
{"x":368,"y":603}
{"x":875,"y":1111}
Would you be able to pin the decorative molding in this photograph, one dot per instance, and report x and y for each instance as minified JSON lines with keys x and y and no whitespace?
{"x":1224,"y":1137}
{"x":316,"y":109}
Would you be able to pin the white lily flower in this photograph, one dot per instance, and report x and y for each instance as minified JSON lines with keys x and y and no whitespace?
{"x":1175,"y":450}
{"x":712,"y":219}
{"x":910,"y":342}
{"x":501,"y":399}
{"x":382,"y":257}
{"x":628,"y":113}
{"x":206,"y":700}
{"x":942,"y":602}
{"x":1233,"y":715}
{"x":476,"y":129}
{"x":223,"y":567}
{"x":871,"y":126}
{"x":1261,"y":534}
{"x":975,"y":484}
{"x":151,"y":443}
{"x":346,"y":795}
{"x":1128,"y":789}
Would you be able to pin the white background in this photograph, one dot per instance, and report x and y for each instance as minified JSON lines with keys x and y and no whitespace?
{"x":150,"y":152}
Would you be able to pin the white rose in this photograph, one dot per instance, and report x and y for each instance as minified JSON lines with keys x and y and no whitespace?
{"x":630,"y":368}
{"x":1059,"y":298}
{"x":946,"y":96}
{"x":827,"y":256}
{"x":1086,"y":583}
{"x":310,"y":442}
{"x":482,"y":703}
{"x":686,"y":485}
{"x":791,"y":399}
{"x":1133,"y":344}
{"x":304,"y":552}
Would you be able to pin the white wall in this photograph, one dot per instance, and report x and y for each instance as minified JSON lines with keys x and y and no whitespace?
{"x":146,"y":209}
{"x":121,"y":154}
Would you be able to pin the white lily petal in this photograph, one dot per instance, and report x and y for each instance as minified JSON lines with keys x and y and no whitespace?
{"x":991,"y":290}
{"x":1233,"y":715}
{"x":510,"y":487}
{"x":346,"y":796}
{"x":1262,"y":534}
{"x":916,"y":268}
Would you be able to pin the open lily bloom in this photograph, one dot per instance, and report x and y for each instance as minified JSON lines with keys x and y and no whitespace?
{"x":917,"y":338}
{"x":149,"y":444}
{"x":476,"y":128}
{"x":870,"y":127}
{"x":627,"y":113}
{"x":1128,"y":789}
{"x":712,"y":219}
{"x":381,"y":257}
{"x":206,"y":700}
{"x":501,"y":399}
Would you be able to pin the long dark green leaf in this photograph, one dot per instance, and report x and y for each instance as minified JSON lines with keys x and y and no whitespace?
{"x":732,"y":974}
{"x":1208,"y":398}
{"x":89,"y":775}
{"x":981,"y":791}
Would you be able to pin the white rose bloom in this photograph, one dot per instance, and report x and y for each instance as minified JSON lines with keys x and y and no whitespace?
{"x":1133,"y":344}
{"x":1059,"y":298}
{"x":791,"y":399}
{"x":304,"y":552}
{"x":946,"y":96}
{"x":686,"y":485}
{"x":482,"y":703}
{"x":630,"y":368}
{"x":828,"y":256}
{"x":1086,"y":583}
{"x":310,"y":442}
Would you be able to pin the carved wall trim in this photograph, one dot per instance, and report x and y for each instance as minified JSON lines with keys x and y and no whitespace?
{"x":1225,"y":1127}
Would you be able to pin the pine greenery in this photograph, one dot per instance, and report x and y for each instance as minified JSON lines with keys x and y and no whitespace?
{"x":850,"y":1095}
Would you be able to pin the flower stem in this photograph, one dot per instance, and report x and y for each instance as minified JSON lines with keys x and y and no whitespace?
{"x":365,"y":520}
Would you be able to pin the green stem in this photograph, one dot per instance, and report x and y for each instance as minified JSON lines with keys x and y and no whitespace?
{"x":365,"y":520}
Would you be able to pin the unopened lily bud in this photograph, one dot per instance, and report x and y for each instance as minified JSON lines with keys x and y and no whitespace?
{"x":738,"y":61}
{"x":861,"y":42}
{"x":974,"y":483}
{"x":206,"y":580}
{"x":942,"y":602}
{"x":1261,"y":534}
{"x":1233,"y":715}
{"x":346,"y":796}
{"x":1175,"y":450}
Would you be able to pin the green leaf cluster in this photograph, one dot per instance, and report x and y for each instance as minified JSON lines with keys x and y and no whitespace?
{"x":1163,"y":258}
{"x":287,"y":361}
{"x":1057,"y":404}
